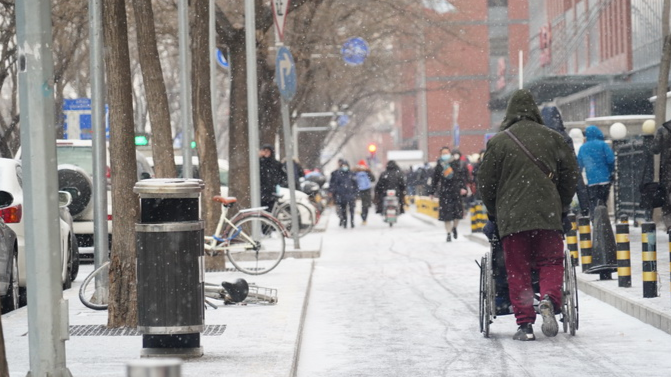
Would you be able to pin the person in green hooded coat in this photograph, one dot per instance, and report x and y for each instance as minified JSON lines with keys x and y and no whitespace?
{"x":529,"y":208}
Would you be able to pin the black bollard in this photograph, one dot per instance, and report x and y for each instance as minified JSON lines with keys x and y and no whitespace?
{"x":585,"y":242}
{"x":623,"y":254}
{"x":604,"y":261}
{"x":649,"y":256}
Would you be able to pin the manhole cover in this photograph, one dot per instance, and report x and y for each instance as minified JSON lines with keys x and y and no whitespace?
{"x":101,"y":330}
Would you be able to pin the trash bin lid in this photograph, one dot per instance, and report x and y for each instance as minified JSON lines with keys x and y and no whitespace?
{"x":169,"y":188}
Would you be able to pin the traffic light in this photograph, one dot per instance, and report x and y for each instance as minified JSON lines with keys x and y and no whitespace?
{"x":372,"y":150}
{"x":141,"y":139}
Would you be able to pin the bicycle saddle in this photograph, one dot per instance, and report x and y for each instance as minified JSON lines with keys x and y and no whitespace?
{"x":229,"y":201}
{"x":238,"y":290}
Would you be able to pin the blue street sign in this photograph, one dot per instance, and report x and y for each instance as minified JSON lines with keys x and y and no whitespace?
{"x":221,"y":59}
{"x":343,"y":120}
{"x":457,"y":136}
{"x":285,"y":73}
{"x":354,"y":51}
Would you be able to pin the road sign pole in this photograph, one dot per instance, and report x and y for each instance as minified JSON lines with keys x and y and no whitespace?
{"x":47,"y":310}
{"x":252,"y":104}
{"x":289,"y":150}
{"x":185,"y":87}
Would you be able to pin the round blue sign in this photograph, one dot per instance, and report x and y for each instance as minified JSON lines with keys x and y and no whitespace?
{"x":343,"y":120}
{"x":221,"y":59}
{"x":354,"y":51}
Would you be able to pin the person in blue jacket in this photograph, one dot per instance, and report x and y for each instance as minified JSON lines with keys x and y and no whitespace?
{"x":598,"y":161}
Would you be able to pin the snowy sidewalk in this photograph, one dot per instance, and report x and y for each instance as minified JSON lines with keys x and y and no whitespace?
{"x":653,"y":311}
{"x":252,"y":340}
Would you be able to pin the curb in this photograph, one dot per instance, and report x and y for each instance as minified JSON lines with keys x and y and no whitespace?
{"x":644,"y":314}
{"x":299,"y":338}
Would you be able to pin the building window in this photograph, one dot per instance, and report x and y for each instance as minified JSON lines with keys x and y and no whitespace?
{"x":498,"y":3}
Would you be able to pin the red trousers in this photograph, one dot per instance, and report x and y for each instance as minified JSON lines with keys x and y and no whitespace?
{"x":541,"y":250}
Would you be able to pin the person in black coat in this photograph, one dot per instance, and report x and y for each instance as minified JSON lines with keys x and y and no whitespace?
{"x":391,"y":179}
{"x":272,"y":175}
{"x":449,"y":184}
{"x":552,"y":119}
{"x":343,"y":187}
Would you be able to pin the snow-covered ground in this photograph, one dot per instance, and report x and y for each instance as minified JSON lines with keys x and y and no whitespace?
{"x":402,"y":302}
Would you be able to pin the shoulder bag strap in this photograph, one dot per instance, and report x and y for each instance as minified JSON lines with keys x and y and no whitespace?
{"x":548,"y":173}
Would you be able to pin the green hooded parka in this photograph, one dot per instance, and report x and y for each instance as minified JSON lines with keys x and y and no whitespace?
{"x":512,"y":186}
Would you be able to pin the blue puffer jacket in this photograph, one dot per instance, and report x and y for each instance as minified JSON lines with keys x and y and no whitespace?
{"x":596,"y":157}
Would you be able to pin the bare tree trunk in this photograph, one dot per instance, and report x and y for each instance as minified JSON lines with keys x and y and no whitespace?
{"x":206,"y":141}
{"x":154,"y":87}
{"x":122,"y":309}
{"x":239,"y":183}
{"x":663,"y":82}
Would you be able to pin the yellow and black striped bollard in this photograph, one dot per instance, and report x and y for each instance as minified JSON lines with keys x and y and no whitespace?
{"x":623,"y":253}
{"x":649,"y":256}
{"x":585,"y":242}
{"x":482,"y":217}
{"x":572,"y":240}
{"x":474,"y":220}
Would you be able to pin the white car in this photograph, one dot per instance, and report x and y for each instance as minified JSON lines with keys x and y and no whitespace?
{"x":301,"y":197}
{"x":11,"y":192}
{"x":75,"y":172}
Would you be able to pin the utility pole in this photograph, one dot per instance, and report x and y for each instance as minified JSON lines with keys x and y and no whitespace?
{"x":185,"y":87}
{"x":47,"y":311}
{"x":100,"y":229}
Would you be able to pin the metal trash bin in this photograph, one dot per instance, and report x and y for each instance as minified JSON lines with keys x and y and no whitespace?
{"x":170,"y":268}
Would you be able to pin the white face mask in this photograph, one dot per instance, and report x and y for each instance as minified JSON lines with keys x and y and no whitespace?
{"x":446,"y":157}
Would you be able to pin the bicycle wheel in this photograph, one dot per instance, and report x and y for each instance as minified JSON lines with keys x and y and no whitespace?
{"x":256,"y":244}
{"x":305,"y":219}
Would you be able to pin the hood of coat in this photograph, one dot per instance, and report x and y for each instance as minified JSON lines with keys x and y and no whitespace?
{"x":521,"y":107}
{"x":593,"y":133}
{"x":552,"y":118}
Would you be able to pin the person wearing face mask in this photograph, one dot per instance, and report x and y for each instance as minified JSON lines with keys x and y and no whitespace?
{"x":343,"y":187}
{"x":449,"y":184}
{"x":272,"y":174}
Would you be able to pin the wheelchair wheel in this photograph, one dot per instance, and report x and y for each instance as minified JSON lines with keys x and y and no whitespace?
{"x":487,"y":290}
{"x":569,"y":297}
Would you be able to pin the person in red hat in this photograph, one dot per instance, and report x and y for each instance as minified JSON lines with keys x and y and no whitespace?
{"x":364,"y":180}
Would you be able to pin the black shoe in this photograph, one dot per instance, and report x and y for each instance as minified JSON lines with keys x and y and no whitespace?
{"x":351,"y":224}
{"x":449,"y":237}
{"x":525,"y":332}
{"x":549,"y":327}
{"x":343,"y":223}
{"x":454,"y":232}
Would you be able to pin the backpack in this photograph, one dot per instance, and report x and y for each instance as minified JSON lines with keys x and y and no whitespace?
{"x":362,"y":180}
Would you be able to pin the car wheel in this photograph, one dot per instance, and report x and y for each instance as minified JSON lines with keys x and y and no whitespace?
{"x":12,"y":301}
{"x":74,"y":252}
{"x":77,"y":182}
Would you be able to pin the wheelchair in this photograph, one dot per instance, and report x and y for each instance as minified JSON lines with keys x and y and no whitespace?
{"x":493,"y":285}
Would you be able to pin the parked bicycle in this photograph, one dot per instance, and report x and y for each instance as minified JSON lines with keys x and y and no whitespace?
{"x":253,"y":239}
{"x":306,"y":220}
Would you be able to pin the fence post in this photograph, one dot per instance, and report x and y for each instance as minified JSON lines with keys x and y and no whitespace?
{"x":623,"y":253}
{"x":585,"y":242}
{"x":572,"y":240}
{"x":649,"y":257}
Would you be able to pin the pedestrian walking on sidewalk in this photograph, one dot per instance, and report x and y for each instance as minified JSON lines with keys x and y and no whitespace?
{"x":343,"y":187}
{"x":661,"y":145}
{"x":449,"y":184}
{"x":364,"y":180}
{"x":272,"y":175}
{"x":598,"y":161}
{"x":527,"y":198}
{"x":552,"y":119}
